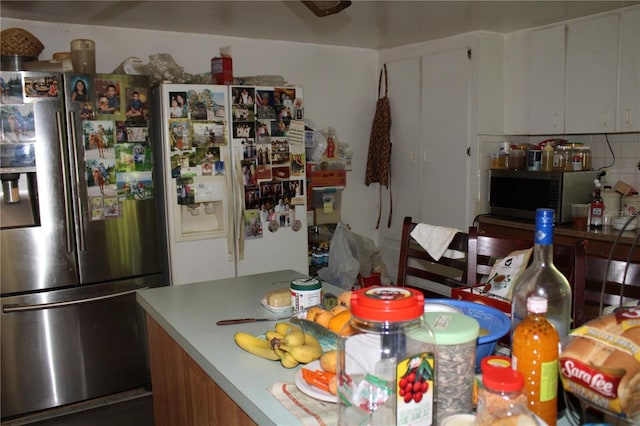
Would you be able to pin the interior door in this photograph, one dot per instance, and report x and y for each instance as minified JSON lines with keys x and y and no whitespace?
{"x":445,"y":127}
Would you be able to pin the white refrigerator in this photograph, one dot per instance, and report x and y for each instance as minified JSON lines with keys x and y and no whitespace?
{"x":232,"y":164}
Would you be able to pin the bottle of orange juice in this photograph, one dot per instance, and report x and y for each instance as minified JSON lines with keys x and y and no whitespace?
{"x":535,"y":356}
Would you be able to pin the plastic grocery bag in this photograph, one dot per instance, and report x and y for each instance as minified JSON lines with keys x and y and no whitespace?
{"x":350,"y":254}
{"x":343,"y":267}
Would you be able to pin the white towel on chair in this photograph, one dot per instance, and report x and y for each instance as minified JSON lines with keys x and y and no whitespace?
{"x":435,"y":240}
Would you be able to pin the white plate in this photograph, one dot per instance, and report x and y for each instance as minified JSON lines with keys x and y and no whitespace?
{"x":275,"y":309}
{"x":313,"y":391}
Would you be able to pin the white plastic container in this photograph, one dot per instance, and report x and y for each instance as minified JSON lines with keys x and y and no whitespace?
{"x":305,"y":293}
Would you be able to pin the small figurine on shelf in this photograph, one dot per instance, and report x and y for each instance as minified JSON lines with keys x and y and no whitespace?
{"x":331,"y":143}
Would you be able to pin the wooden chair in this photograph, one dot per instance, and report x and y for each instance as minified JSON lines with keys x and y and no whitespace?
{"x":416,"y":262}
{"x":622,"y":284}
{"x":484,"y":250}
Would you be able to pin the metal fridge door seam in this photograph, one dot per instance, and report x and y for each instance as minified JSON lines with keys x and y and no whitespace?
{"x":21,"y":308}
{"x":74,"y":147}
{"x":65,"y":180}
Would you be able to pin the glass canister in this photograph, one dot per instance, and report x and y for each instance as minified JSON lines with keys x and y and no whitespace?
{"x":386,"y":370}
{"x":561,"y":158}
{"x":518,"y":159}
{"x":501,"y":394}
{"x":586,"y":157}
{"x":498,"y":160}
{"x":456,"y":335}
{"x":576,"y":157}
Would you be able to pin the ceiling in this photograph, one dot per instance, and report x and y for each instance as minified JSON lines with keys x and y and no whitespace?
{"x":365,"y":24}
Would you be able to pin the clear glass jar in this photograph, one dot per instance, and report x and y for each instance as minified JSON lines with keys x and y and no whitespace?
{"x":501,"y":394}
{"x":518,"y":159}
{"x":576,"y":157}
{"x":386,"y":370}
{"x":456,"y":335}
{"x":586,"y":157}
{"x":561,"y":158}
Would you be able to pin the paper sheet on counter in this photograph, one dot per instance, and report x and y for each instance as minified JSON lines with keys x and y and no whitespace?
{"x":310,"y":411}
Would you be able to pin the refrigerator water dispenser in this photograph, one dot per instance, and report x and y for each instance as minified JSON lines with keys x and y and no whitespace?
{"x":19,"y":205}
{"x":205,"y":217}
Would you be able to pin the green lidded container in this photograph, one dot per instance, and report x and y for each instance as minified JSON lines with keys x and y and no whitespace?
{"x":455,"y":336}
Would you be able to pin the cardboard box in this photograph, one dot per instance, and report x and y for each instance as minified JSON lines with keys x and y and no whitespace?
{"x":222,"y":70}
{"x":321,"y":217}
{"x":322,"y":195}
{"x":329,"y":178}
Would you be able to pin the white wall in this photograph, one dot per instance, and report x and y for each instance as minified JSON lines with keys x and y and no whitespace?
{"x":340,"y":84}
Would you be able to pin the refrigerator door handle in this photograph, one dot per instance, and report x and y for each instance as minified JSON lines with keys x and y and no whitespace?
{"x":74,"y":141}
{"x":65,"y":180}
{"x":22,"y":308}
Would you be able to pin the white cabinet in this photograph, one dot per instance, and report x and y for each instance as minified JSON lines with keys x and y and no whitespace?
{"x":442,"y":94}
{"x":534,"y":81}
{"x":445,"y":139}
{"x":592,"y":74}
{"x":545,"y":85}
{"x":629,"y":79}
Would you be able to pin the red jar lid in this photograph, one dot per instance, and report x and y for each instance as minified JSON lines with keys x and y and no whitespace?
{"x":503,"y":379}
{"x":392,"y":304}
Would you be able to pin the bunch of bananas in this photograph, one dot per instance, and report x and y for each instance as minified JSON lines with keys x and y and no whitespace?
{"x":287,"y":343}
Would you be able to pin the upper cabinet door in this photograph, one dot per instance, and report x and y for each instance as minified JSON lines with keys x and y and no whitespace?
{"x":629,"y":84}
{"x":592,"y":75}
{"x":545,"y":84}
{"x":534,"y":79}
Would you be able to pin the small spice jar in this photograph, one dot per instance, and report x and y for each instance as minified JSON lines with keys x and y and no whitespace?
{"x":385,"y":371}
{"x":500,"y":396}
{"x":456,"y":335}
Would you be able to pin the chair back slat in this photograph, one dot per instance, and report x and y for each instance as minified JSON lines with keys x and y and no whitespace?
{"x":416,"y":262}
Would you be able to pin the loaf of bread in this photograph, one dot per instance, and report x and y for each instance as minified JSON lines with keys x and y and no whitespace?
{"x":601,"y":362}
{"x":278,"y":298}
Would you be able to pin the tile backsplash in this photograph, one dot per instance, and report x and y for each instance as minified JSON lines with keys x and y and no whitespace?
{"x":617,"y":153}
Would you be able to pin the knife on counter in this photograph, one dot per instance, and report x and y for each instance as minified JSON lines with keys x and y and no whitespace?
{"x":247,"y":320}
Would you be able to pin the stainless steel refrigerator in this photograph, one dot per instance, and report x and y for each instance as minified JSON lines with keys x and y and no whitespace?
{"x":78,"y":237}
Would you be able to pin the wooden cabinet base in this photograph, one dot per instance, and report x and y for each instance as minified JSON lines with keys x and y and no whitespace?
{"x":183,"y":393}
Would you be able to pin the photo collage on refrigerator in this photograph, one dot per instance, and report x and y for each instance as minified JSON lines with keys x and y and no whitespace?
{"x":199,"y":144}
{"x":18,"y":136}
{"x":268,"y":140}
{"x":114,"y":114}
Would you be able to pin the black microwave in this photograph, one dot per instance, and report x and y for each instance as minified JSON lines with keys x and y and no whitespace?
{"x":518,"y":193}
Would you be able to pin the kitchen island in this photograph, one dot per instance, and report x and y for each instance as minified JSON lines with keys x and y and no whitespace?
{"x":198,"y":374}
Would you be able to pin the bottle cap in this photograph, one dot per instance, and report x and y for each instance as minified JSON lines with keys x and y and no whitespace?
{"x":544,"y":216}
{"x":387,"y":304}
{"x":537,"y":304}
{"x":503,"y":379}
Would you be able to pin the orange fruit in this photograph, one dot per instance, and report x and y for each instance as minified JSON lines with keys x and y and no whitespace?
{"x":323,"y":318}
{"x":339,"y":320}
{"x":313,"y":312}
{"x":338,"y":308}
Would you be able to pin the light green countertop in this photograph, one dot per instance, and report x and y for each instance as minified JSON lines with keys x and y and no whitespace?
{"x":188,"y":313}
